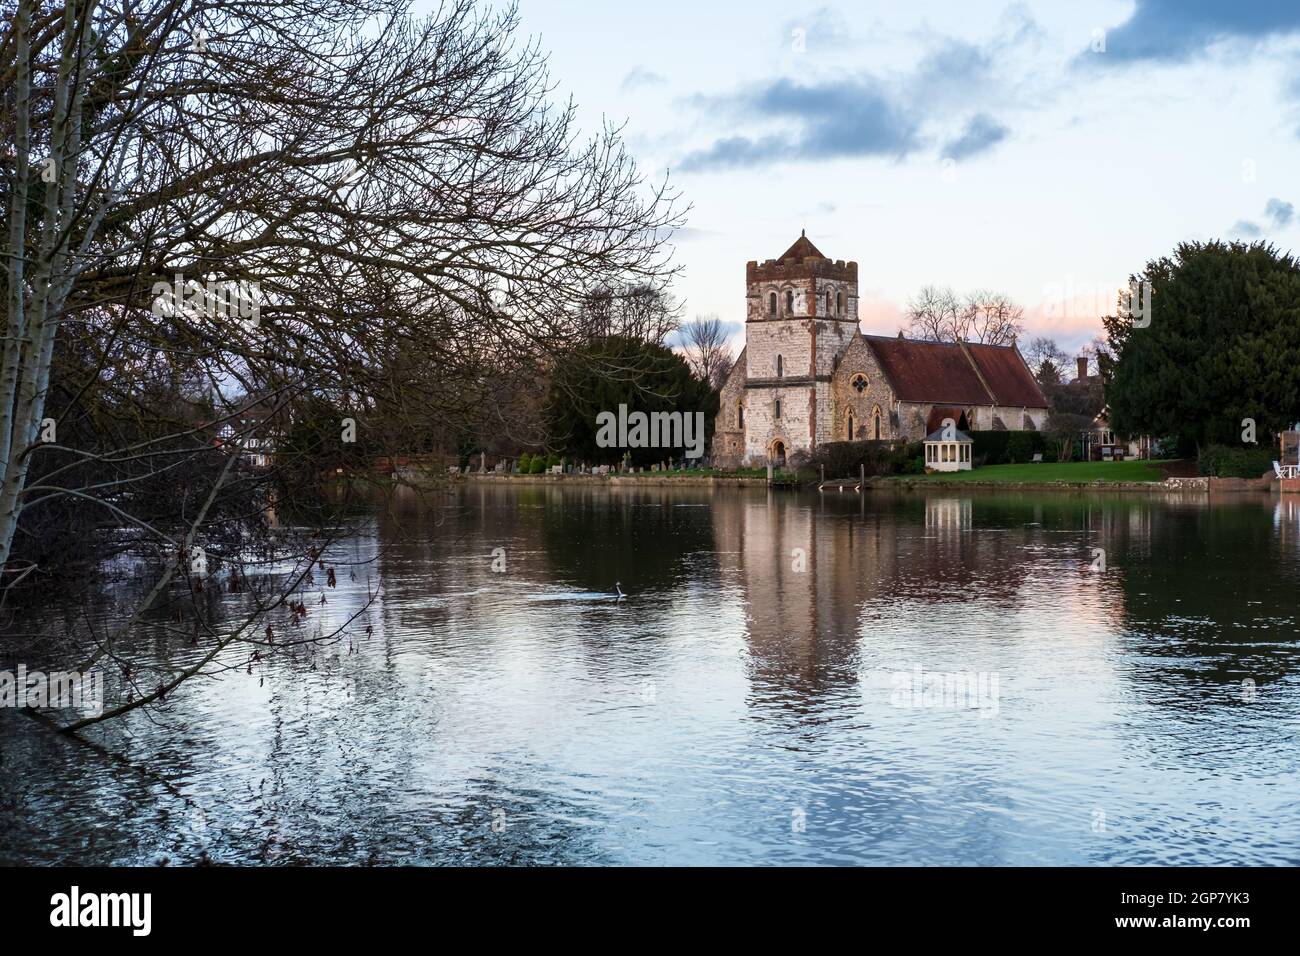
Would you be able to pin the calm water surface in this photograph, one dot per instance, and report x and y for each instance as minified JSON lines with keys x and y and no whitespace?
{"x":741,"y":705}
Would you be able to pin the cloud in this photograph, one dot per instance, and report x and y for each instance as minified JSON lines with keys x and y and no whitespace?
{"x":1279,"y":213}
{"x":981,"y":133}
{"x":1177,"y":30}
{"x":639,"y":76}
{"x":691,"y":234}
{"x":676,"y":339}
{"x":825,"y":120}
{"x":863,"y":115}
{"x":822,"y":29}
{"x":953,"y":71}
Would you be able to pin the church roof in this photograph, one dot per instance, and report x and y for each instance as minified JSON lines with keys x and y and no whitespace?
{"x":929,"y":371}
{"x":939,"y":412}
{"x":1007,"y":375}
{"x":956,"y":373}
{"x":802,"y":249}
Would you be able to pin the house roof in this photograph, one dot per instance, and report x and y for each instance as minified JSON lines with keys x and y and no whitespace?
{"x":956,"y":373}
{"x":802,"y":249}
{"x":957,"y":436}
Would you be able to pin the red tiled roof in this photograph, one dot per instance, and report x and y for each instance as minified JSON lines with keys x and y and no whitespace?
{"x":946,"y":373}
{"x":937,"y":414}
{"x":1007,"y":376}
{"x":802,"y":249}
{"x":928,"y":371}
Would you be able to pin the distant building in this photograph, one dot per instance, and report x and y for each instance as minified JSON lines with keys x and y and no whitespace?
{"x":1102,"y":443}
{"x":254,"y":429}
{"x":807,"y":374}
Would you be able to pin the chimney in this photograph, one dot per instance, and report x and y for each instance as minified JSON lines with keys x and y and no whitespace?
{"x":1083,"y":367}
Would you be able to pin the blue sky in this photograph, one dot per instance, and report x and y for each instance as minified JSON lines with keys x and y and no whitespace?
{"x":975,"y":144}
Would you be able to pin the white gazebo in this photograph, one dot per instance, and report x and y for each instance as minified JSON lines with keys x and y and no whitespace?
{"x":948,"y":450}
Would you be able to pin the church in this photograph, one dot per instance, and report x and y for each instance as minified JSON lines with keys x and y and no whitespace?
{"x":808,"y":375}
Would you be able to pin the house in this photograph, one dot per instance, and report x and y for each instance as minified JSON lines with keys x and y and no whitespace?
{"x":807,"y":375}
{"x":1101,"y":443}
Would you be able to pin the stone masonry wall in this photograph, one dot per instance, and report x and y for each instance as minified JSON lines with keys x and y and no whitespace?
{"x":858,"y":359}
{"x":728,"y":448}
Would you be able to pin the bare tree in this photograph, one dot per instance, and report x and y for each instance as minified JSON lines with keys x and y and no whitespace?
{"x":938,"y":315}
{"x":1047,"y":360}
{"x":309,"y":200}
{"x":990,"y":318}
{"x":933,"y":314}
{"x":704,"y":340}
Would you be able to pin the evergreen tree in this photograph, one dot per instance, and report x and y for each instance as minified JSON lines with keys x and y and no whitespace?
{"x":1223,"y":345}
{"x":621,"y":370}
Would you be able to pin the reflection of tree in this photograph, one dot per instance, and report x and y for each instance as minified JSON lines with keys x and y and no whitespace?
{"x":1209,"y":594}
{"x":649,"y":539}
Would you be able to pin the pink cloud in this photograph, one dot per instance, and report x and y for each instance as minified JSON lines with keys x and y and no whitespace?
{"x":878,"y":315}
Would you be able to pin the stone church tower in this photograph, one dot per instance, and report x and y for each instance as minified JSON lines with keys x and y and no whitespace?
{"x":808,"y":376}
{"x":801,"y":313}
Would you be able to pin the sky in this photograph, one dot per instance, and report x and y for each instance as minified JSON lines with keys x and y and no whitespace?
{"x":1047,"y":150}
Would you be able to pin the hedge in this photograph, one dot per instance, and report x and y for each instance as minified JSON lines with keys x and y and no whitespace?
{"x":844,"y":459}
{"x":1009,"y":447}
{"x":1222,"y":461}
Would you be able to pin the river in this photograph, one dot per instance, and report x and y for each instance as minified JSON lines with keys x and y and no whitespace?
{"x":915,"y":678}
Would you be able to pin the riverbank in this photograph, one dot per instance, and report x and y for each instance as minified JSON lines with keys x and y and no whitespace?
{"x":1073,"y":476}
{"x":642,"y":480}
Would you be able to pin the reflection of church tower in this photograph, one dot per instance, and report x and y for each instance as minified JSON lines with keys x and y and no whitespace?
{"x":801,"y":313}
{"x":806,"y":574}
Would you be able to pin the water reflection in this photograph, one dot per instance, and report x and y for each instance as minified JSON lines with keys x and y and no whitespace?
{"x":496,"y":704}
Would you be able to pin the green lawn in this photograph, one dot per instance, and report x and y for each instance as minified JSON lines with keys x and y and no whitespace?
{"x":1053,"y":471}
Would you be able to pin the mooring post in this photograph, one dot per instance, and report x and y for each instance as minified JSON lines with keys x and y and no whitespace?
{"x":862,"y":475}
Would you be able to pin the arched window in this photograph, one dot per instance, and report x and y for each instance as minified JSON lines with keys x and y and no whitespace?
{"x":850,"y":436}
{"x":780,"y":367}
{"x":771,"y":304}
{"x":839,"y":303}
{"x":789,"y":302}
{"x":776,"y":408}
{"x":828,"y":301}
{"x":740,"y":415}
{"x":877,"y":424}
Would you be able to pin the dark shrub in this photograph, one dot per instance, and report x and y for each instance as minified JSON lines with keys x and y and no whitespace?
{"x":1005,"y":447}
{"x":1223,"y":461}
{"x":1020,"y":447}
{"x":843,"y":459}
